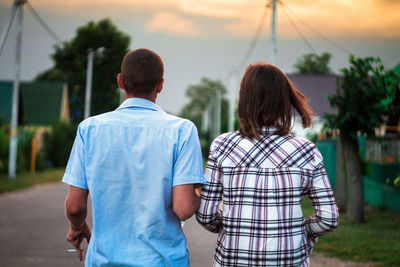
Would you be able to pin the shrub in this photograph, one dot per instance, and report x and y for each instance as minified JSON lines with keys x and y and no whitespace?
{"x":25,"y":136}
{"x":4,"y":143}
{"x":58,"y":143}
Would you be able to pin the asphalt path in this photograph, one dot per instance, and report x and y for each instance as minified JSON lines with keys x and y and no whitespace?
{"x":33,"y":228}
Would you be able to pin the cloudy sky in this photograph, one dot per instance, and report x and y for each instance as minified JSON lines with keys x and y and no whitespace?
{"x":205,"y":38}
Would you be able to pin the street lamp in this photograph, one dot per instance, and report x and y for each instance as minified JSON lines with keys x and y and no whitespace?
{"x":89,"y":77}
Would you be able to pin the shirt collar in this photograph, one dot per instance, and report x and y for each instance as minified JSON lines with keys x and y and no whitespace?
{"x":269,"y":130}
{"x":141,"y":103}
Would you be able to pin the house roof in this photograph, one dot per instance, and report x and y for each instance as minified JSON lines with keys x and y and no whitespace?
{"x":316,"y":88}
{"x":40,"y":102}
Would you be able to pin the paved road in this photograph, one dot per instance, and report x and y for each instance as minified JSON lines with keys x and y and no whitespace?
{"x":33,"y":227}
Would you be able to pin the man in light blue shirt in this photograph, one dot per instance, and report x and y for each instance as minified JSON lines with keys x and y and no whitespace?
{"x":140,"y":166}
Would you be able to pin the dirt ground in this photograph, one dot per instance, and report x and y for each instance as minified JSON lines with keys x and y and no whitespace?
{"x":318,"y":259}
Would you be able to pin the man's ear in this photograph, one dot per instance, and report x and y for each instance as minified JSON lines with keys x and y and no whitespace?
{"x":160,"y":85}
{"x":120,"y":82}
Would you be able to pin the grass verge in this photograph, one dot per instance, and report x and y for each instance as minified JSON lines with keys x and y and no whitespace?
{"x":26,"y":179}
{"x":376,"y":240}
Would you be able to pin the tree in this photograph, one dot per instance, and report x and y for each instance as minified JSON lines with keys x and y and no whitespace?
{"x":200,"y":96}
{"x":70,"y":61}
{"x":365,"y":94}
{"x":314,"y":64}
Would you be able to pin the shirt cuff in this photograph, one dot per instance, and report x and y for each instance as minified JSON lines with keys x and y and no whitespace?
{"x":197,"y":180}
{"x":68,"y":179}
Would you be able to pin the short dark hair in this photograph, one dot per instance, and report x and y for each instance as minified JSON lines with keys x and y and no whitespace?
{"x":268,"y":98}
{"x":141,"y":70}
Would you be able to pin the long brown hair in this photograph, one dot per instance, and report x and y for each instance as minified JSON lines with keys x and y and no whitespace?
{"x":268,"y":98}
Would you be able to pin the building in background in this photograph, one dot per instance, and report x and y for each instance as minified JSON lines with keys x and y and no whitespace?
{"x":40,"y":103}
{"x":315,"y":87}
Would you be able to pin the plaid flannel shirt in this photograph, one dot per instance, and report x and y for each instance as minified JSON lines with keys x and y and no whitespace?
{"x":262,"y":184}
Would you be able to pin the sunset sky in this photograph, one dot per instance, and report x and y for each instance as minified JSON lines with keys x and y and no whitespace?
{"x":198,"y":38}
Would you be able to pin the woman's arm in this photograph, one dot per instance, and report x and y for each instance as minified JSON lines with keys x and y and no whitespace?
{"x":210,"y":198}
{"x":326,"y":217}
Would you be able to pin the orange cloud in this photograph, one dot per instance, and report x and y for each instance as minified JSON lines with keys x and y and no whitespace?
{"x":173,"y":24}
{"x":339,"y":18}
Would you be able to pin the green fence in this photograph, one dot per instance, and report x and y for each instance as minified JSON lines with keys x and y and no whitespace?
{"x":382,"y":196}
{"x":328,"y":152}
{"x":376,"y":192}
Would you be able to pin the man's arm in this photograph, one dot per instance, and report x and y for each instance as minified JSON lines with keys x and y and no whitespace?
{"x":76,"y":211}
{"x":185,"y":201}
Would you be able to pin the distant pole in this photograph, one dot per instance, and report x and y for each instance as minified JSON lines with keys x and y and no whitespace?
{"x":89,"y":77}
{"x":218,"y":103}
{"x":33,"y":155}
{"x":274,"y":49}
{"x":12,"y":159}
{"x":204,"y":120}
{"x":211,"y":118}
{"x":8,"y":25}
{"x":232,"y":83}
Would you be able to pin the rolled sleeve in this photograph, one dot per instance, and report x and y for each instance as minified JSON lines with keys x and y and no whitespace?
{"x":75,"y":171}
{"x":188,"y":167}
{"x":326,"y":216}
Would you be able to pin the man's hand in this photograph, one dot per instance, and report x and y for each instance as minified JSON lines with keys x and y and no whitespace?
{"x":76,"y":210}
{"x":76,"y":235}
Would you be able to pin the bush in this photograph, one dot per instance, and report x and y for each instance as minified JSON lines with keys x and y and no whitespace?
{"x":4,"y":143}
{"x":24,"y":149}
{"x":58,"y":143}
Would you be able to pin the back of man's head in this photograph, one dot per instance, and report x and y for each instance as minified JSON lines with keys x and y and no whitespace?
{"x":141,"y":70}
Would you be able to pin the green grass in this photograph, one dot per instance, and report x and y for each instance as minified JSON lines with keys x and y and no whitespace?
{"x":25,"y":180}
{"x":376,"y":240}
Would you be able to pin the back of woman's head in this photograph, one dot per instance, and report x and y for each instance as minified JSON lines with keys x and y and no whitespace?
{"x":268,"y":98}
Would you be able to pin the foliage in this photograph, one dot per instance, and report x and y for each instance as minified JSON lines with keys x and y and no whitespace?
{"x":4,"y":144}
{"x":396,"y":182}
{"x":377,"y":240}
{"x":58,"y":143}
{"x":200,"y":96}
{"x":393,"y":181}
{"x":71,"y":62}
{"x":26,"y":179}
{"x":364,"y":95}
{"x":314,"y":64}
{"x":25,"y":136}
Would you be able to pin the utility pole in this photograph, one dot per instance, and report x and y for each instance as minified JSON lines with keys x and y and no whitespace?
{"x":233,"y":83}
{"x":218,"y":105}
{"x":8,"y":25}
{"x":12,"y":159}
{"x":89,"y":77}
{"x":274,"y":49}
{"x":205,"y":120}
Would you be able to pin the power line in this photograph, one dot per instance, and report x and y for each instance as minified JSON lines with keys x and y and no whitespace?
{"x":8,"y":27}
{"x":315,"y":31}
{"x":299,"y":32}
{"x":44,"y":24}
{"x":255,"y":38}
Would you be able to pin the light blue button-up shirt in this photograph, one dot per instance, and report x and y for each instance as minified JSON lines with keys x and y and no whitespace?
{"x":129,"y":160}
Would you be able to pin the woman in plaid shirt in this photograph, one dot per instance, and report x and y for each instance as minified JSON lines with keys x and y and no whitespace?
{"x":263,"y":173}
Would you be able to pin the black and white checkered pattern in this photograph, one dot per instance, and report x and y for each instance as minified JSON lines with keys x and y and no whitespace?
{"x":262,"y":184}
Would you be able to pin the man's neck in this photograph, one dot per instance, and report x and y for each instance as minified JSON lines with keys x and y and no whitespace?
{"x":151,"y":97}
